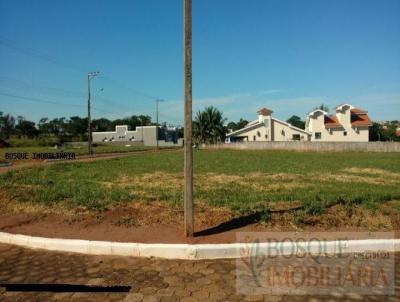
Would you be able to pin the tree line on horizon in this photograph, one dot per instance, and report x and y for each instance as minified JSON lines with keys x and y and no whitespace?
{"x":209,"y":126}
{"x":60,"y":130}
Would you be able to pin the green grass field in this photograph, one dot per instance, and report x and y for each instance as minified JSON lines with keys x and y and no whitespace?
{"x":243,"y":181}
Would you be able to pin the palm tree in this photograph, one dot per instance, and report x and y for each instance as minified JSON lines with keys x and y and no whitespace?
{"x":208,"y":126}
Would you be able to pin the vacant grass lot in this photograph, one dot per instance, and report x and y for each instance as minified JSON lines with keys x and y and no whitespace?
{"x":243,"y":181}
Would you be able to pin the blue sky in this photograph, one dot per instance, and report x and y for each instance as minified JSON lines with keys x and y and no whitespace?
{"x":287,"y":55}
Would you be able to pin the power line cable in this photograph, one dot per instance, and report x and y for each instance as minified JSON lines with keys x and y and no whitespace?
{"x":52,"y":90}
{"x":61,"y":92}
{"x":52,"y":102}
{"x":44,"y":56}
{"x":116,"y":83}
{"x":38,"y":54}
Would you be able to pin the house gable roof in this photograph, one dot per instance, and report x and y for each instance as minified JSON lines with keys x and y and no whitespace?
{"x":291,"y":126}
{"x":340,"y":107}
{"x":359,"y":118}
{"x":250,"y":126}
{"x":331,"y":121}
{"x":311,"y":113}
{"x":358,"y":111}
{"x":255,"y":124}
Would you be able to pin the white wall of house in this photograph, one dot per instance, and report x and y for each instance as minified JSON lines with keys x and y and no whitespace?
{"x":316,"y":125}
{"x":270,"y":129}
{"x":343,"y":114}
{"x":283,"y":132}
{"x":122,"y":134}
{"x":145,"y":134}
{"x":255,"y":134}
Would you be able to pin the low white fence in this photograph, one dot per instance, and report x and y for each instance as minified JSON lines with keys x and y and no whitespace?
{"x":312,"y":146}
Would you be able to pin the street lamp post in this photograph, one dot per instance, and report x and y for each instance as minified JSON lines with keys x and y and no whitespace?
{"x":89,"y":77}
{"x":157,"y":102}
{"x":141,"y":123}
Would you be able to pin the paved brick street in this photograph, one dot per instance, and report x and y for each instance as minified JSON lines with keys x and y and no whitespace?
{"x":149,"y":279}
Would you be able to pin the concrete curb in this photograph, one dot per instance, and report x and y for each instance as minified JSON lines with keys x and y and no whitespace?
{"x":191,"y":251}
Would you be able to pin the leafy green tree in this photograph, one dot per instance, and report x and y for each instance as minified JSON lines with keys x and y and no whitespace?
{"x":57,"y":126}
{"x":389,"y":132}
{"x":385,"y":132}
{"x":102,"y":124}
{"x":7,"y":125}
{"x":26,"y":128}
{"x":236,"y":126}
{"x":376,"y":132}
{"x":296,"y":121}
{"x":180,"y":132}
{"x":76,"y":127}
{"x":145,"y":120}
{"x":133,"y":121}
{"x":44,"y":126}
{"x":208,"y":126}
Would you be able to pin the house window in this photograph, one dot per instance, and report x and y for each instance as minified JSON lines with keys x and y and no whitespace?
{"x":296,"y":137}
{"x":344,"y":133}
{"x":266,"y":136}
{"x":317,"y":135}
{"x":283,"y":132}
{"x":254,"y":138}
{"x":258,"y":133}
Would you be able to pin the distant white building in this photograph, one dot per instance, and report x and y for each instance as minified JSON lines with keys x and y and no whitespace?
{"x":349,"y":124}
{"x":146,"y":134}
{"x":267,"y":128}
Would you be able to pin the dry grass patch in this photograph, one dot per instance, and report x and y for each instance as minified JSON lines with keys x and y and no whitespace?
{"x":143,"y":184}
{"x":9,"y":205}
{"x":259,"y":182}
{"x":345,"y":178}
{"x":372,"y":171}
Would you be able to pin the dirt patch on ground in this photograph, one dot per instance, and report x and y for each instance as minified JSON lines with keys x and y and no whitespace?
{"x":160,"y":222}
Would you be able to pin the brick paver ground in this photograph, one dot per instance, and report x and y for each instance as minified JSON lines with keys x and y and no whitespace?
{"x":150,"y":279}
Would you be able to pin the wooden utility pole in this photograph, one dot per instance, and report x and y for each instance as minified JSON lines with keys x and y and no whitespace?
{"x":89,"y":77}
{"x":188,"y":195}
{"x":89,"y":119}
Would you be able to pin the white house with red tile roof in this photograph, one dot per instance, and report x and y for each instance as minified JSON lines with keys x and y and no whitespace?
{"x":348,"y":124}
{"x":268,"y":128}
